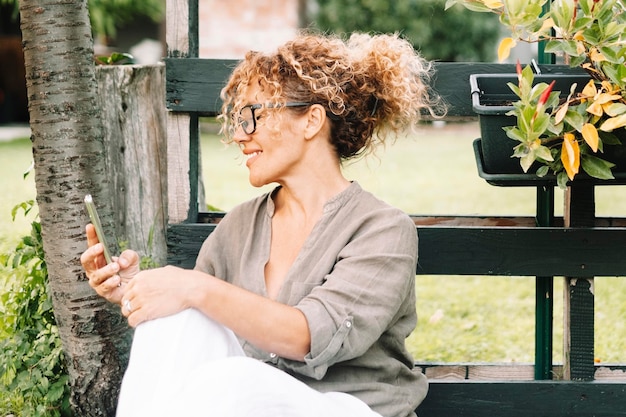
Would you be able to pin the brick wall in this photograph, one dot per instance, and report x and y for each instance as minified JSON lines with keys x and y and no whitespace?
{"x":230,"y":28}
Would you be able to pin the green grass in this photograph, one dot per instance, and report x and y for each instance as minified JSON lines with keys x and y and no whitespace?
{"x":461,"y":319}
{"x":15,"y":159}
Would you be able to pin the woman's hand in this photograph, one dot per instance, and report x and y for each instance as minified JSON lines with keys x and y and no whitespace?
{"x":160,"y":292}
{"x":110,"y":280}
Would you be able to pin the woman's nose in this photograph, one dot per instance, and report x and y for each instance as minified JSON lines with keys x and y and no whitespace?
{"x":239,"y":135}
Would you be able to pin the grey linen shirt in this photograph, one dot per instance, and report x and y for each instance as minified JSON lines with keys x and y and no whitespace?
{"x":354,"y":280}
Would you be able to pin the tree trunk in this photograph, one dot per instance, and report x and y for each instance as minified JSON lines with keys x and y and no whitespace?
{"x":68,"y":150}
{"x":133,"y":112}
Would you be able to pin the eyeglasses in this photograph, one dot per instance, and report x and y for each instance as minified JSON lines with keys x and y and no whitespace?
{"x":246,"y":118}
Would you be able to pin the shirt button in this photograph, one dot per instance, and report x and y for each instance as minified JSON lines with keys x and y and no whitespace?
{"x":348,"y":324}
{"x":272,"y":355}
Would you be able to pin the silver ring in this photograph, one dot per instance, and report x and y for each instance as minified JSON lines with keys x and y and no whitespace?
{"x":127,"y":306}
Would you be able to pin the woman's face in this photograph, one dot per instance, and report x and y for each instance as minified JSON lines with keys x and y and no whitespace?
{"x":274,"y":150}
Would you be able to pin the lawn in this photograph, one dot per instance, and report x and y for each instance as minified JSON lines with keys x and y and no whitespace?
{"x":15,"y":160}
{"x":466,"y":319}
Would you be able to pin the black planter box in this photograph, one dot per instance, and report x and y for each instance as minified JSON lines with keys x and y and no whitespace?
{"x":491,"y":100}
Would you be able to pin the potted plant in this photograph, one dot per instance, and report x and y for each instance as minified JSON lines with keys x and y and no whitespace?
{"x":565,"y":132}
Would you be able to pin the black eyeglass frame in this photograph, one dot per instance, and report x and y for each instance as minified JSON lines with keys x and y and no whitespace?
{"x":245,"y":123}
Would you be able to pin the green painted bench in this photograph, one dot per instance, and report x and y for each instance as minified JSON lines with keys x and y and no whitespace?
{"x":448,"y":246}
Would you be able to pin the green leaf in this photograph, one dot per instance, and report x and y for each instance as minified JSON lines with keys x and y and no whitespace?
{"x":562,"y":13}
{"x":553,"y":46}
{"x":576,"y":61}
{"x":537,"y":90}
{"x":527,"y":160}
{"x":515,"y":133}
{"x":615,"y":109}
{"x":119,"y":58}
{"x":477,"y":7}
{"x":575,"y":119}
{"x":581,"y":23}
{"x":610,"y":54}
{"x":514,"y":88}
{"x":541,"y":123}
{"x":56,"y":390}
{"x":597,"y":167}
{"x":614,"y":30}
{"x":543,"y":153}
{"x":609,"y":138}
{"x":521,"y":150}
{"x":450,"y":3}
{"x":570,"y":48}
{"x":542,"y":171}
{"x":591,"y":34}
{"x":555,"y":130}
{"x":562,"y":179}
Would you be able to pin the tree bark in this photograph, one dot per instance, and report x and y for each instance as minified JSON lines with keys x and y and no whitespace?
{"x":68,"y":153}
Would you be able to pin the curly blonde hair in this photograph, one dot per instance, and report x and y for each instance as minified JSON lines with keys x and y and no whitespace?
{"x":370,"y":86}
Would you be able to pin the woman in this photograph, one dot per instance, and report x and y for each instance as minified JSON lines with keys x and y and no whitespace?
{"x":301,"y":299}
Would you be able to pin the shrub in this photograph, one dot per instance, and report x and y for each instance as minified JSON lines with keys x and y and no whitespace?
{"x":34,"y":375}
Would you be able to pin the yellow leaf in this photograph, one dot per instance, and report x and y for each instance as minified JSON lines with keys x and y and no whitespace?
{"x":595,"y":109}
{"x":590,"y":134}
{"x":606,"y":97}
{"x":590,"y":89}
{"x":560,"y":114}
{"x":614,"y":123}
{"x":614,"y":109}
{"x":493,"y":4}
{"x":600,"y":100}
{"x":579,"y":36}
{"x":610,"y":88}
{"x":504,"y":50}
{"x":547,"y":24}
{"x":570,"y":155}
{"x":596,"y":55}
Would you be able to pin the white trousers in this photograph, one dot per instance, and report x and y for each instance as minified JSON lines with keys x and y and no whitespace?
{"x":189,"y":365}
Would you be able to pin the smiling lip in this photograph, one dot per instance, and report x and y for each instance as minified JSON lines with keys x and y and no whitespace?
{"x":251,"y":156}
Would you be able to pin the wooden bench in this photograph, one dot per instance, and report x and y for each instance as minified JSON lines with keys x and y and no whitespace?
{"x":448,"y":245}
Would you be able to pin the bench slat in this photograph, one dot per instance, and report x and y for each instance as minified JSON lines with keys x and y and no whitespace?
{"x":526,"y":251}
{"x":193,"y":84}
{"x":478,"y":250}
{"x":522,"y":399}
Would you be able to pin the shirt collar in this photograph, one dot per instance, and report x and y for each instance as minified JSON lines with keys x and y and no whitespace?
{"x":331,"y":205}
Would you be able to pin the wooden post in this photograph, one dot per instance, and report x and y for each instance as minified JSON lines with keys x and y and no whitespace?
{"x":578,"y":303}
{"x":133,"y":115}
{"x":182,"y":128}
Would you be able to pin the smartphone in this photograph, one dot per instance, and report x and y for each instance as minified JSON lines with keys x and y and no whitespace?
{"x":95,"y":220}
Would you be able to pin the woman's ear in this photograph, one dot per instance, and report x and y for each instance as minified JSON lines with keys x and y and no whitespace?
{"x":316,"y":118}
